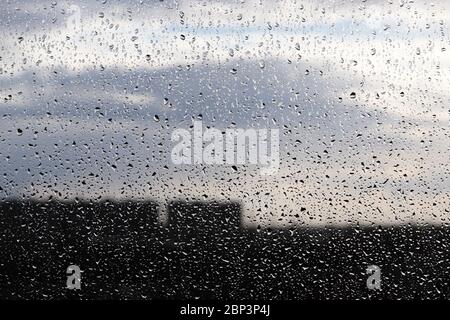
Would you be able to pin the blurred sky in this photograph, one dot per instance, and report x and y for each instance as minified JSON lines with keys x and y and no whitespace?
{"x":360,"y":91}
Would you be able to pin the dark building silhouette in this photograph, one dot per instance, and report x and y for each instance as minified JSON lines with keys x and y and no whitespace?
{"x":206,"y":239}
{"x":204,"y":253}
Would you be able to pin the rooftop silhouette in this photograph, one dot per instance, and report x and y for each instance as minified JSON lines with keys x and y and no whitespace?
{"x":203,"y":252}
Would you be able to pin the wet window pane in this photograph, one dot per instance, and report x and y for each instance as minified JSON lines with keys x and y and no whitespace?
{"x":224,"y":149}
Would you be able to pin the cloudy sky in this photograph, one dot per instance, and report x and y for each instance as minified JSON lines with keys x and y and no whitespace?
{"x":360,"y":91}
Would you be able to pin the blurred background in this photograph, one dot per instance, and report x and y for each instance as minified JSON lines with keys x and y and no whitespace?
{"x":91,"y":92}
